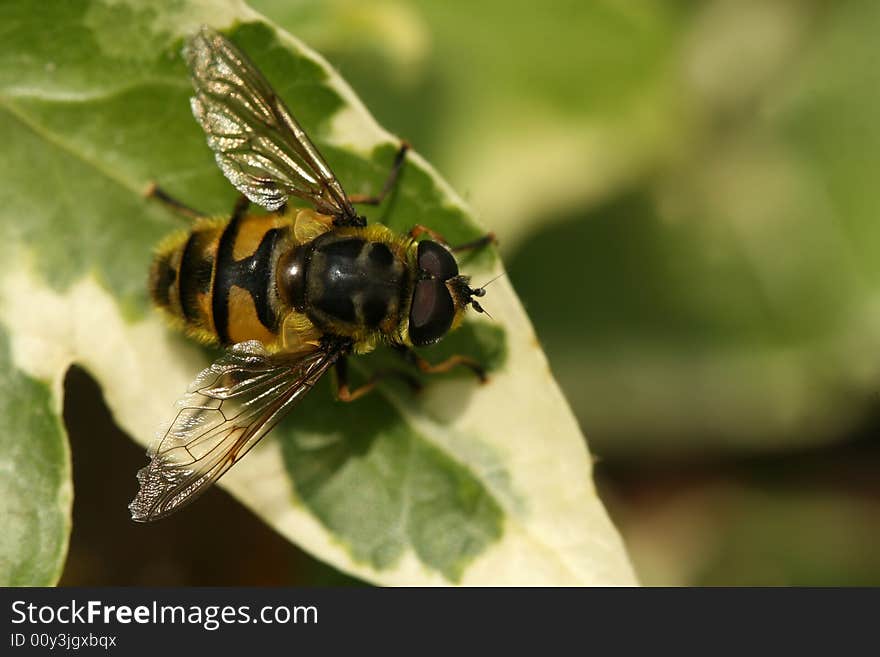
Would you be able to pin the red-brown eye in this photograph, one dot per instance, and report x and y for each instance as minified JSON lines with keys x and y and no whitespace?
{"x":432,"y":312}
{"x":437,"y":261}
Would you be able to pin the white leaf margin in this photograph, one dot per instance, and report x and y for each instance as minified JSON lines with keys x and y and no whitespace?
{"x":556,"y":533}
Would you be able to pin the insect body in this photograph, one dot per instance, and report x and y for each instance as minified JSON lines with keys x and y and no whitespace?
{"x":287,"y":280}
{"x":290,"y":293}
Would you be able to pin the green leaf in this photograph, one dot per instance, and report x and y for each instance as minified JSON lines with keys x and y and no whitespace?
{"x":553,"y":105}
{"x":35,"y":477}
{"x":727,"y":300}
{"x":767,"y":531}
{"x":466,"y":484}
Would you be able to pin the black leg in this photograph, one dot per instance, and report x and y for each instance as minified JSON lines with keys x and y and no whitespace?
{"x":444,"y":366}
{"x":418,"y":230}
{"x":181,"y":209}
{"x":479,"y":243}
{"x":242,"y":203}
{"x":343,"y":393}
{"x":393,"y":175}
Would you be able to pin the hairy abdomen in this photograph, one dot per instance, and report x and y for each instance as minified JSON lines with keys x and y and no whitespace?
{"x":217,"y":281}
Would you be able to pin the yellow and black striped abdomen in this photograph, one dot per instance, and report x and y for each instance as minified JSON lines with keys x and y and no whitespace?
{"x":217,"y":281}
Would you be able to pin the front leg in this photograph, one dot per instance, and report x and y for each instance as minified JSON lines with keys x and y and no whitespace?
{"x":390,"y":181}
{"x":418,"y":230}
{"x":444,"y":366}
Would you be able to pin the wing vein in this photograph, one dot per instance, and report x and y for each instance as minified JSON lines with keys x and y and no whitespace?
{"x":253,"y":390}
{"x":258,"y":144}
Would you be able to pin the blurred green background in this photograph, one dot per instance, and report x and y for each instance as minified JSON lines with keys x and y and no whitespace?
{"x":684,"y":196}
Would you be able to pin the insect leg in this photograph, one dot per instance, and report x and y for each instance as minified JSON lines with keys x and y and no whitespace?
{"x":393,"y":175}
{"x":242,"y":203}
{"x":156,"y":192}
{"x":418,"y":230}
{"x":479,"y":243}
{"x":444,"y":366}
{"x":344,"y":393}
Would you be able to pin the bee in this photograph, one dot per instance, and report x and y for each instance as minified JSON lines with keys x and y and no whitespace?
{"x":290,"y":293}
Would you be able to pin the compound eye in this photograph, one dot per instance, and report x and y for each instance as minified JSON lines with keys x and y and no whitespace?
{"x":432,"y":312}
{"x":437,"y":261}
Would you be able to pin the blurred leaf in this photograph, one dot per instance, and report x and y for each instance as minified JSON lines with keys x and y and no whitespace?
{"x":728,"y":299}
{"x":471,"y":484}
{"x":530,"y":109}
{"x":755,"y":535}
{"x":35,"y":486}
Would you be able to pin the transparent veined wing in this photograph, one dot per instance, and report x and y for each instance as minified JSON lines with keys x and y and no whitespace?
{"x":258,"y":144}
{"x":228,"y":408}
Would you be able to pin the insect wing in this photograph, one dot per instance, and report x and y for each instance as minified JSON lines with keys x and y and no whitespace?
{"x":258,"y":144}
{"x":228,"y":408}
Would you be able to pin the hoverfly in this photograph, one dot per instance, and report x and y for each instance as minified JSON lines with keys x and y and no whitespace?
{"x":290,"y":293}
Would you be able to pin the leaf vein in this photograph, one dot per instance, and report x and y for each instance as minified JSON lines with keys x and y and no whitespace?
{"x":55,"y":140}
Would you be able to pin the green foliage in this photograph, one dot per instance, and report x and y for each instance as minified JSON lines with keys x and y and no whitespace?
{"x":684,"y":193}
{"x":35,"y":489}
{"x":380,"y":486}
{"x":395,"y":489}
